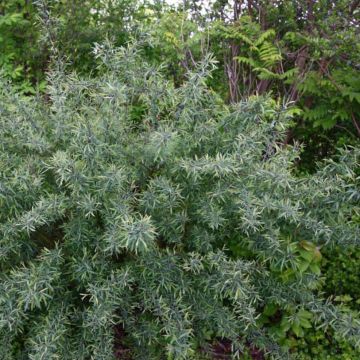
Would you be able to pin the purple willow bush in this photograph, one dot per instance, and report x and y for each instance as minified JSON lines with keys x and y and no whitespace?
{"x":162,"y":211}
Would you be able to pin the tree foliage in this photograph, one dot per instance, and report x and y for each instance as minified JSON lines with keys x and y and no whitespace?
{"x":306,"y":52}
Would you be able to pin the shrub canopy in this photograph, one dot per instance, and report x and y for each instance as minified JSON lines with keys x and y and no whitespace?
{"x":159,"y":212}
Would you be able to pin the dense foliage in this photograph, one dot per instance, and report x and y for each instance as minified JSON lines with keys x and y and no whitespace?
{"x":341,"y":281}
{"x":303,"y":51}
{"x":30,"y":29}
{"x":70,"y":145}
{"x":163,"y":230}
{"x":306,"y":52}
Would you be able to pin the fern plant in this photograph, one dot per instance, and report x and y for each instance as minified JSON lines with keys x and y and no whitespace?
{"x":257,"y":57}
{"x":264,"y":57}
{"x":160,"y":234}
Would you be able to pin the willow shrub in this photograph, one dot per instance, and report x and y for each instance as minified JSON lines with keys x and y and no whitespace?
{"x":160,"y":212}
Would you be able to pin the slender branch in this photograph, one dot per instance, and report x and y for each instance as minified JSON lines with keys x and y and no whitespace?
{"x":357,"y":127}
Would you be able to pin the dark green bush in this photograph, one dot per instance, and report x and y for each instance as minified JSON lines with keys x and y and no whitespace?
{"x":342,"y":275}
{"x":323,"y":346}
{"x":160,"y":232}
{"x":342,"y":282}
